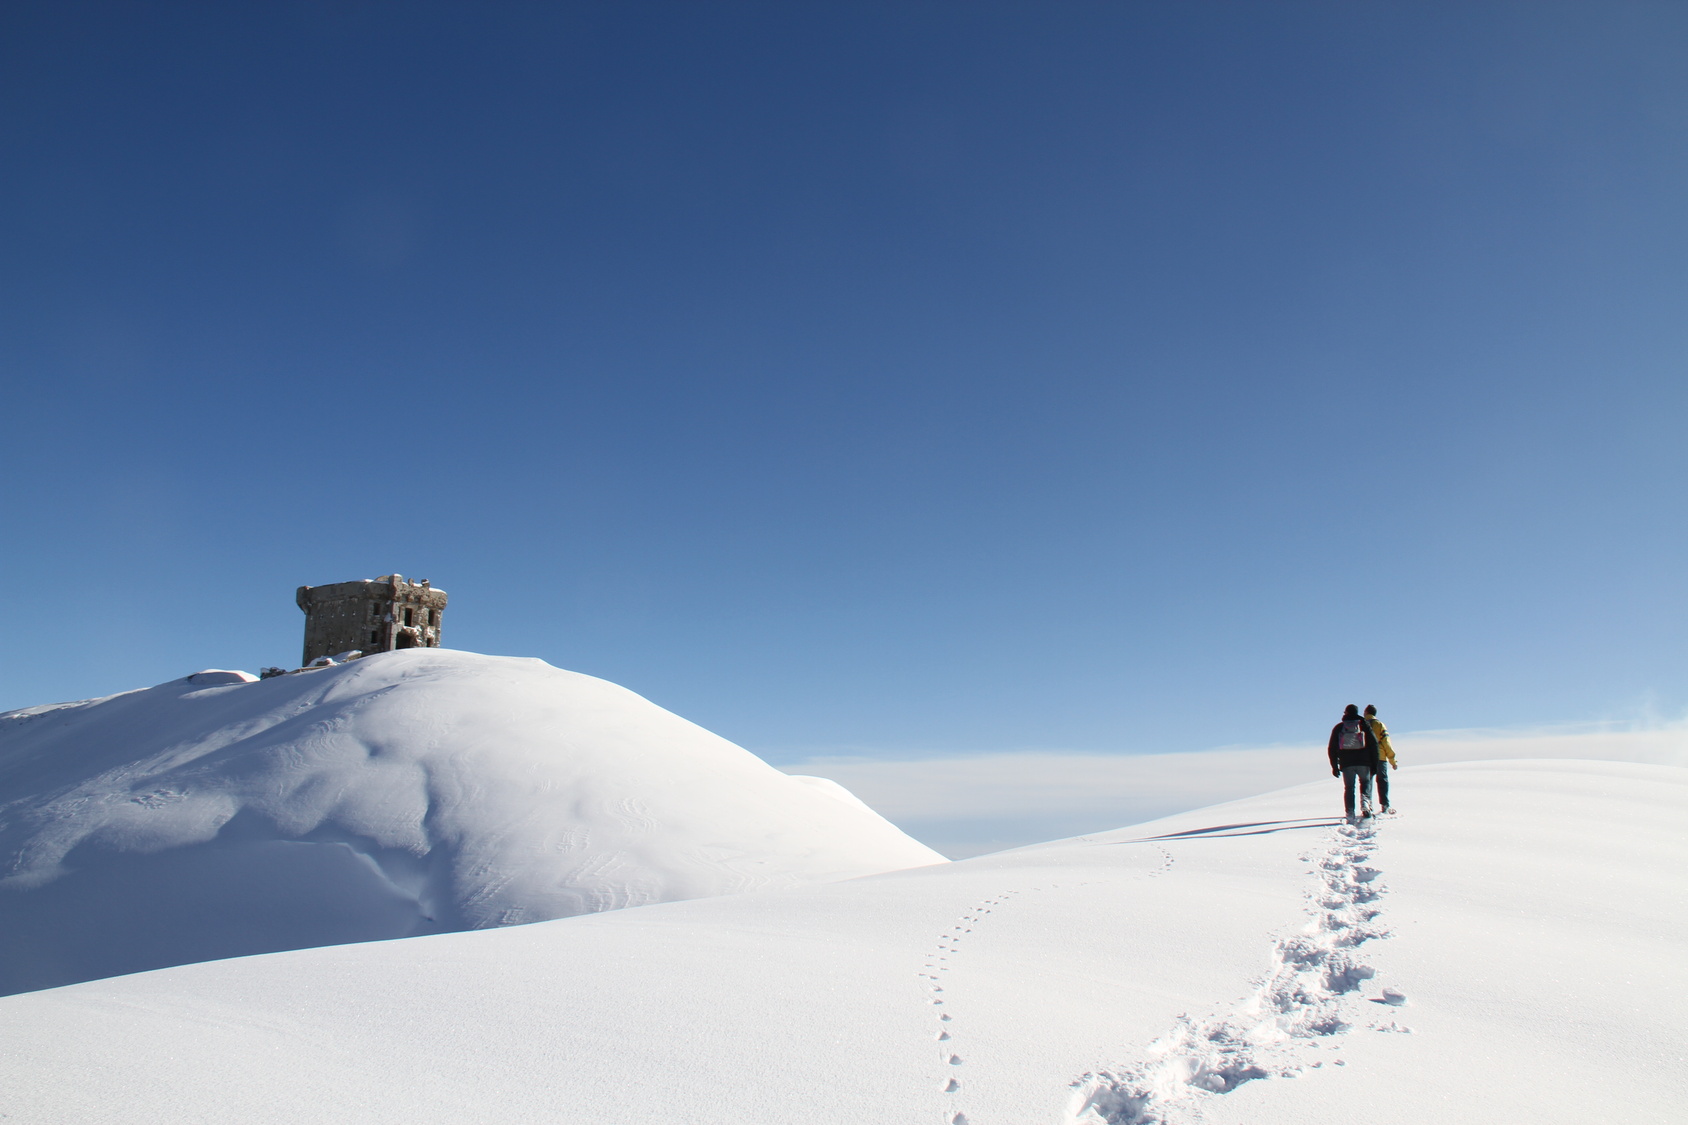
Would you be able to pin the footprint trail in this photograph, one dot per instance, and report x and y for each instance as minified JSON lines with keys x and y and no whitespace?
{"x":1305,"y":1004}
{"x":937,"y":962}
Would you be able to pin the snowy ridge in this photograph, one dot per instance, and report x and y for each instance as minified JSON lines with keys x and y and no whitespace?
{"x":406,"y":793}
{"x":1307,"y":996}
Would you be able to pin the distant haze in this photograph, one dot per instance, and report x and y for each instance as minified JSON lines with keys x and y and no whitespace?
{"x":977,"y":803}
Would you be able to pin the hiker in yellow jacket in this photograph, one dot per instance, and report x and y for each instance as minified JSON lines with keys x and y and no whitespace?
{"x":1385,"y":758}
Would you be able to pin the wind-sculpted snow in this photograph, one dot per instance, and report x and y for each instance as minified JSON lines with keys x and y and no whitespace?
{"x":406,"y":793}
{"x":1306,"y":1002}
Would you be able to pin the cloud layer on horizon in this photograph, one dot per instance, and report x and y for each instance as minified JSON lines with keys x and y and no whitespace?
{"x":972,"y":804}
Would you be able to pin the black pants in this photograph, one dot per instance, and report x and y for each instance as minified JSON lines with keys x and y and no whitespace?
{"x":1382,"y":786}
{"x":1351,"y":774}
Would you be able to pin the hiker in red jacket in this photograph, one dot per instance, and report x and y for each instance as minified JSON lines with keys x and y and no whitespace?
{"x":1353,"y":756}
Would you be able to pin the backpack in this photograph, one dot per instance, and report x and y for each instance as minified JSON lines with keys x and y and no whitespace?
{"x":1353,"y":736}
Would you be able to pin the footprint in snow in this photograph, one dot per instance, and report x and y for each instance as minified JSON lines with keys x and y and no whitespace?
{"x":1305,"y":998}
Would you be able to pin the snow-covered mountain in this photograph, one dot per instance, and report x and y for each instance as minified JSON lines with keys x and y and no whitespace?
{"x":409,"y":792}
{"x":1512,"y":948}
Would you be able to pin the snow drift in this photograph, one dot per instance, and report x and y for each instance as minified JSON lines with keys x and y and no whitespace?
{"x":1510,"y":949}
{"x":405,"y":793}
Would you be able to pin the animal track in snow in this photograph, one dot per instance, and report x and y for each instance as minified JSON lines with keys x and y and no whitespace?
{"x":1306,"y":997}
{"x":949,"y":943}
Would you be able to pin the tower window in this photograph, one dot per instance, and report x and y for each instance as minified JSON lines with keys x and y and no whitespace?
{"x":410,"y":617}
{"x":375,"y":636}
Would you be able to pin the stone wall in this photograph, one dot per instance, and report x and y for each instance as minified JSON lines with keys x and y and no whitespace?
{"x":376,"y":615}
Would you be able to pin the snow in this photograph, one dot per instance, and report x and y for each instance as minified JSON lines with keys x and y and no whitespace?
{"x":404,"y":793}
{"x":1511,"y":947}
{"x":216,"y":677}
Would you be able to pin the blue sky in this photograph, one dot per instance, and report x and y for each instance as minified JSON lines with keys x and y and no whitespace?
{"x":902,"y":379}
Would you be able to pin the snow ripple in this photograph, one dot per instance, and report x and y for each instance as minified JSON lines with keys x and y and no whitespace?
{"x":1305,"y":1001}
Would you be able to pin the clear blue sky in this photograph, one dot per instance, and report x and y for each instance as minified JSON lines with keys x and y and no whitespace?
{"x":895,"y":378}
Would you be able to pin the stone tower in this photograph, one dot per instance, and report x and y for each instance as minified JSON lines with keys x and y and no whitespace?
{"x":375,"y":616}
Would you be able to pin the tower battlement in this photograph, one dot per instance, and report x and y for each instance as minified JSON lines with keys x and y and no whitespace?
{"x":375,"y":615}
